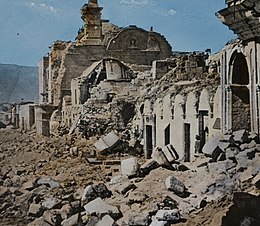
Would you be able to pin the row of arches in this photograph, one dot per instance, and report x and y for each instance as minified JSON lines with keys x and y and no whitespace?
{"x":178,"y":119}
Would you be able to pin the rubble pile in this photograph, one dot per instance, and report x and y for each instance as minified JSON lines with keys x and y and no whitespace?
{"x":49,"y":182}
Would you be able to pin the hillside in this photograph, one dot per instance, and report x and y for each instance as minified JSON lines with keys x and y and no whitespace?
{"x":17,"y":83}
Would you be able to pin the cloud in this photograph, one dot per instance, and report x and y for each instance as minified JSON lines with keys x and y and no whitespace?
{"x":133,"y":3}
{"x":43,"y":6}
{"x":172,"y":12}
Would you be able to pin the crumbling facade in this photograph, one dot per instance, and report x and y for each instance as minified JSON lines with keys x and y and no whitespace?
{"x":239,"y":67}
{"x":180,"y":106}
{"x":96,"y":40}
{"x":127,"y":79}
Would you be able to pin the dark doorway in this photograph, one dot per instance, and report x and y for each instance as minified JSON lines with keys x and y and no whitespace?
{"x":167,"y":135}
{"x":240,"y":73}
{"x":202,"y":131}
{"x":31,"y":117}
{"x":149,"y":141}
{"x":186,"y":142}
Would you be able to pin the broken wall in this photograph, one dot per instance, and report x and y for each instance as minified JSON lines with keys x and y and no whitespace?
{"x":26,"y":116}
{"x":174,"y":111}
{"x":43,"y":79}
{"x":240,"y":86}
{"x":43,"y":114}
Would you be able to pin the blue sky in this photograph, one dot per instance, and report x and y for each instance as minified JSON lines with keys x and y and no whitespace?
{"x":28,"y":27}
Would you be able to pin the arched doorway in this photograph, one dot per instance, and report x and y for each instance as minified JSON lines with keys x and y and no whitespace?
{"x":240,"y":93}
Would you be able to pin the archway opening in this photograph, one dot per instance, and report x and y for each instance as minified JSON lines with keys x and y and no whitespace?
{"x":240,"y":73}
{"x":240,"y":94}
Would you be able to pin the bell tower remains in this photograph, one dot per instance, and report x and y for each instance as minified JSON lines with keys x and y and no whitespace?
{"x":92,"y":30}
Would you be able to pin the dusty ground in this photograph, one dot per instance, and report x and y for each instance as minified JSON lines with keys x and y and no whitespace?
{"x":24,"y":157}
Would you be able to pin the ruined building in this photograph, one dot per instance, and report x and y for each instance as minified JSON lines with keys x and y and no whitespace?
{"x":128,"y":80}
{"x":97,"y":40}
{"x":239,"y":66}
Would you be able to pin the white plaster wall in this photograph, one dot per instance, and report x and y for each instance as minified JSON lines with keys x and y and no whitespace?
{"x":75,"y":92}
{"x":24,"y":113}
{"x":114,"y":70}
{"x":191,"y":118}
{"x":178,"y":126}
{"x":160,"y":121}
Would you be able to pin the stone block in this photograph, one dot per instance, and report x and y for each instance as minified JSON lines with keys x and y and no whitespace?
{"x":35,"y":210}
{"x":125,"y":187}
{"x":243,"y":158}
{"x":213,"y":148}
{"x":148,"y":166}
{"x":170,"y":153}
{"x":39,"y":222}
{"x":130,"y":167}
{"x":98,"y":206}
{"x":106,"y":221}
{"x":138,"y":219}
{"x":48,"y":182}
{"x":111,"y":139}
{"x":241,"y":136}
{"x":221,"y":167}
{"x":29,"y":185}
{"x":158,"y":223}
{"x":50,"y":203}
{"x":106,"y":142}
{"x":172,"y":216}
{"x":231,"y":152}
{"x":53,"y":217}
{"x":159,"y":157}
{"x":101,"y":145}
{"x":72,"y":221}
{"x":244,"y":146}
{"x":118,"y":179}
{"x":88,"y":195}
{"x":176,"y":186}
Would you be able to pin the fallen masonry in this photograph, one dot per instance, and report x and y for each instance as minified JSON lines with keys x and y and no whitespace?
{"x":55,"y":193}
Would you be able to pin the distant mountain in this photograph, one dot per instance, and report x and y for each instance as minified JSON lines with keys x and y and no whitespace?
{"x":18,"y":83}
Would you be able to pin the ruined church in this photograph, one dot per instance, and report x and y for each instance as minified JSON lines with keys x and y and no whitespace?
{"x":130,"y":81}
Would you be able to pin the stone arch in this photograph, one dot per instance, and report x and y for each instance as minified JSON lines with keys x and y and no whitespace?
{"x":136,"y":45}
{"x":240,"y":94}
{"x":240,"y":73}
{"x":204,"y":104}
